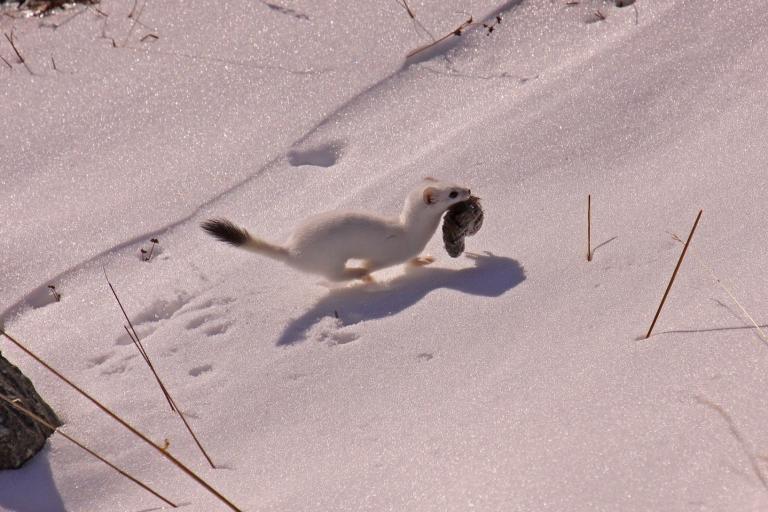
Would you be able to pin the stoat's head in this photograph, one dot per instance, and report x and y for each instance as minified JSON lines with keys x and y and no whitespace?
{"x":440,"y":196}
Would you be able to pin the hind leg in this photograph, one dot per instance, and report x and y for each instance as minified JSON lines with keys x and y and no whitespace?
{"x":361,"y":273}
{"x":344,"y":273}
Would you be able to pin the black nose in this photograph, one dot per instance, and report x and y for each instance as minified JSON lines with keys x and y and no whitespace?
{"x":469,"y":192}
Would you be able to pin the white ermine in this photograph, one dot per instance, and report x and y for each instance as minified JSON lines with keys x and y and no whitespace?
{"x":324,"y":243}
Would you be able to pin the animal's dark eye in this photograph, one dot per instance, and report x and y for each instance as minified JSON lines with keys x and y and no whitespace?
{"x":453,"y":194}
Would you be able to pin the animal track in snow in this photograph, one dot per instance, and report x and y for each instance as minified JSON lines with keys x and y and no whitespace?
{"x":209,"y":303}
{"x":286,"y":11}
{"x":120,"y":366}
{"x":204,"y":321}
{"x":199,"y":370}
{"x":215,"y":330}
{"x":99,"y":360}
{"x":207,"y":317}
{"x":146,"y":322}
{"x":197,"y":322}
{"x":162,"y":309}
{"x":332,"y":331}
{"x":324,"y":155}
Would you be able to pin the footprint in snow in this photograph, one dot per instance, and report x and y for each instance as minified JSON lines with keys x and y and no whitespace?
{"x":199,"y":370}
{"x":210,"y":330}
{"x":332,"y":331}
{"x":119,"y":367}
{"x":208,"y":317}
{"x":324,"y":155}
{"x":148,"y":320}
{"x":99,"y":360}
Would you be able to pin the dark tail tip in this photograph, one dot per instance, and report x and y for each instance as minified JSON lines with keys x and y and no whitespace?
{"x":225,"y":231}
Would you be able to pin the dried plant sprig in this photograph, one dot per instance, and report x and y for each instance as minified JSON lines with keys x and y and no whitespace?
{"x":674,"y":274}
{"x":135,"y":338}
{"x":10,"y":39}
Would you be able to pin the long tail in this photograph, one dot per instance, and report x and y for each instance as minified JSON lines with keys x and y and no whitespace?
{"x":226,"y":231}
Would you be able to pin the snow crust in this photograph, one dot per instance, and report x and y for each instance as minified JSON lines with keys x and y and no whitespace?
{"x":512,"y":378}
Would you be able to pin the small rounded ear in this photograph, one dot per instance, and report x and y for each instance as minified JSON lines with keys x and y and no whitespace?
{"x":429,"y":195}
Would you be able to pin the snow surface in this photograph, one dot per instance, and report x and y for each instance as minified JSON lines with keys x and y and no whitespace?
{"x":512,"y":379}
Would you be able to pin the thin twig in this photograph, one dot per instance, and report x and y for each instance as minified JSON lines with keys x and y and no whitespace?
{"x":133,"y":10}
{"x":674,"y":274}
{"x":165,"y":453}
{"x":18,"y":53}
{"x":139,"y":346}
{"x":41,"y":421}
{"x":6,"y":63}
{"x":175,"y":408}
{"x":135,"y":16}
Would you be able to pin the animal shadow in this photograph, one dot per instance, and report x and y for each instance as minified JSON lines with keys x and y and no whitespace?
{"x":491,"y":276}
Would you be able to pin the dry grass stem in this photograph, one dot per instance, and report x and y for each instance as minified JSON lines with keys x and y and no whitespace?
{"x":134,"y":15}
{"x":674,"y":274}
{"x":136,"y":341}
{"x":18,"y":53}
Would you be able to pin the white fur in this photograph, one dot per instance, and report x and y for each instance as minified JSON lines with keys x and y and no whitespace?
{"x":323,"y":244}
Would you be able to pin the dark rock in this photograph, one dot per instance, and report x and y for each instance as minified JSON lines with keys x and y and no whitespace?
{"x":21,"y":437}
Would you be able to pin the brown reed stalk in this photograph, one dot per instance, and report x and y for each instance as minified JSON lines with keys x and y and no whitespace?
{"x":589,"y":227}
{"x":135,"y":339}
{"x":674,"y":274}
{"x":164,"y":452}
{"x":41,"y":421}
{"x":143,"y":352}
{"x":18,"y":53}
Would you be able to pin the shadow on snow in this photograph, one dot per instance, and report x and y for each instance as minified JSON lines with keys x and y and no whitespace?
{"x":31,"y":488}
{"x":491,"y":276}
